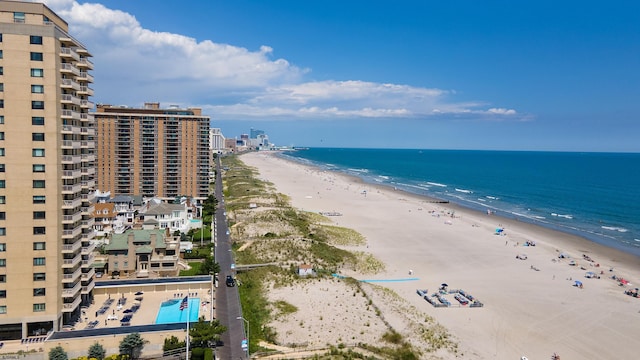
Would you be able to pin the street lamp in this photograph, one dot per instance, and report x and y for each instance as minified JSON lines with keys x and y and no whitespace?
{"x":247,"y":328}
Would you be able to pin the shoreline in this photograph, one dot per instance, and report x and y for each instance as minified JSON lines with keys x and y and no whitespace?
{"x":576,"y":236}
{"x":526,"y":313}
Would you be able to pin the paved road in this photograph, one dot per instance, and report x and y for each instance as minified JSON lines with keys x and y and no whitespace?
{"x":228,"y":308}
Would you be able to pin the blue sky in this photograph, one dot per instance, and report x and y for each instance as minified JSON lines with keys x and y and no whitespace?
{"x":543,"y":75}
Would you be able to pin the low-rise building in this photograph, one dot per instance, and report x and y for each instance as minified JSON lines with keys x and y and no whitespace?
{"x":143,"y":253}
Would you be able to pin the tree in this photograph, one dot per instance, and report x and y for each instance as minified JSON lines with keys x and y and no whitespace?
{"x":204,"y":334}
{"x":58,"y":353}
{"x":132,"y":345}
{"x":208,"y":266}
{"x":97,"y":351}
{"x":172,"y":343}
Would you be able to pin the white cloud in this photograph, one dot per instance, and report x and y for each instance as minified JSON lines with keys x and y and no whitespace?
{"x":134,"y":64}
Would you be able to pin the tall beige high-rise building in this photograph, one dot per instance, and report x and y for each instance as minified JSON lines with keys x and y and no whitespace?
{"x":47,"y":172}
{"x":153,"y":151}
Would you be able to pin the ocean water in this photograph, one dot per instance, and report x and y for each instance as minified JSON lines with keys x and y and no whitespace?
{"x":594,"y":195}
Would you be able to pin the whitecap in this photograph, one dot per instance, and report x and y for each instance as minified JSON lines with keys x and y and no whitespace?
{"x":436,"y":184}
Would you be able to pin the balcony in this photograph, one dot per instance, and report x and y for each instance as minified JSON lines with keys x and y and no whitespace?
{"x":68,"y":190}
{"x":70,"y":219}
{"x":71,"y":204}
{"x":67,"y":68}
{"x":88,"y":236}
{"x":88,"y":144}
{"x":86,"y":289}
{"x":85,"y":63}
{"x":71,"y":159}
{"x":72,"y":233}
{"x":88,"y":250}
{"x":70,"y":307}
{"x":71,"y":263}
{"x":89,"y":261}
{"x":70,"y":84}
{"x":71,"y":278}
{"x":70,"y":144}
{"x":71,"y":248}
{"x":89,"y":171}
{"x":89,"y":184}
{"x":85,"y":90}
{"x":70,"y":114}
{"x":88,"y":197}
{"x":71,"y":174}
{"x":70,"y":129}
{"x":84,"y":76}
{"x":86,"y":117}
{"x":88,"y":157}
{"x":88,"y":224}
{"x":88,"y":210}
{"x":86,"y":104}
{"x":70,"y":99}
{"x":69,"y":53}
{"x":89,"y":131}
{"x":72,"y":292}
{"x":88,"y":275}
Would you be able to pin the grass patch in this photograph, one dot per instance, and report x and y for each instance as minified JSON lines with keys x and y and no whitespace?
{"x":283,"y":308}
{"x":195,"y":269}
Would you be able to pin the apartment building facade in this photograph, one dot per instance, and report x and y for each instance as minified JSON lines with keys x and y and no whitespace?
{"x":47,"y":172}
{"x":153,"y":152}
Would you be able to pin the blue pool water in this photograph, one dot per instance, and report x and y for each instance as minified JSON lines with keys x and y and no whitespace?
{"x":170,"y":311}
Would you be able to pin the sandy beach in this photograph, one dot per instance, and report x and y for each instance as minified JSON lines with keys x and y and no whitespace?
{"x":531,"y":307}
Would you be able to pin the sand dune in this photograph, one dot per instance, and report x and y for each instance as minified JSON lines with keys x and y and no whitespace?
{"x":527,"y":312}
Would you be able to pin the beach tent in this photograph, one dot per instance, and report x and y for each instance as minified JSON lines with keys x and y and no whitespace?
{"x":563,"y":255}
{"x":578,"y":283}
{"x":590,"y":274}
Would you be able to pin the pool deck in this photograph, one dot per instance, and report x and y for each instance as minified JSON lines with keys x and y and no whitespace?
{"x":147,"y":312}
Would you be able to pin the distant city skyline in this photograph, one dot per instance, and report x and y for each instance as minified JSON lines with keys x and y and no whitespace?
{"x":412,"y":74}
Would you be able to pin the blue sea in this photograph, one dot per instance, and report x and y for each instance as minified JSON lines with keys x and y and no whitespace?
{"x":594,"y":195}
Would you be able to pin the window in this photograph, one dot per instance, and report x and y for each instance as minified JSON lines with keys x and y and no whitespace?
{"x":39,"y":230}
{"x":38,"y":168}
{"x":37,"y":152}
{"x":1,"y":119}
{"x":38,"y":261}
{"x":37,"y":72}
{"x":3,"y":199}
{"x":37,"y":105}
{"x":1,"y":135}
{"x":3,"y":262}
{"x":39,"y":307}
{"x":3,"y":278}
{"x":2,"y":168}
{"x":1,"y":55}
{"x":39,"y":215}
{"x":37,"y":120}
{"x":1,"y":70}
{"x":37,"y":136}
{"x":1,"y":151}
{"x":3,"y":215}
{"x":3,"y":247}
{"x":3,"y":231}
{"x":39,"y":292}
{"x":19,"y":18}
{"x":39,"y":199}
{"x":36,"y":56}
{"x":3,"y":309}
{"x":3,"y":294}
{"x":1,"y":85}
{"x":35,"y":40}
{"x":38,"y":184}
{"x":0,"y":37}
{"x":1,"y":103}
{"x":37,"y":89}
{"x":39,"y":276}
{"x":3,"y":184}
{"x":39,"y":245}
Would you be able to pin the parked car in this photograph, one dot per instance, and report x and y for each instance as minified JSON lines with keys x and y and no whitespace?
{"x":230,"y":281}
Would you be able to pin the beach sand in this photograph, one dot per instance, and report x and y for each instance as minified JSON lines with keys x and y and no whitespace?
{"x":526,"y":312}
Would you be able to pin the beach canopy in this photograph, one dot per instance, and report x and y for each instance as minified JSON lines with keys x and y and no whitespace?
{"x":578,"y":283}
{"x":590,"y":274}
{"x":563,"y":255}
{"x":444,"y":285}
{"x":499,"y":230}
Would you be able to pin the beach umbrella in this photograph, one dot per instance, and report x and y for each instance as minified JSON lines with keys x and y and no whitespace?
{"x":498,"y":230}
{"x":444,"y":285}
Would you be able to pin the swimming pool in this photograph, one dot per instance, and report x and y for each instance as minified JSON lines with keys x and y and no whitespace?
{"x":170,"y":311}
